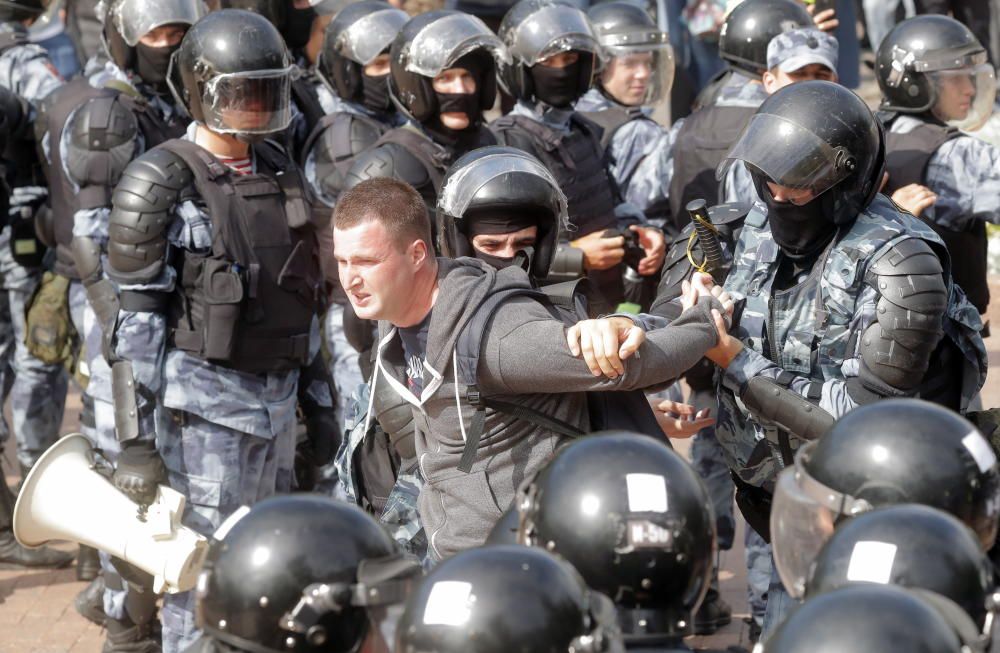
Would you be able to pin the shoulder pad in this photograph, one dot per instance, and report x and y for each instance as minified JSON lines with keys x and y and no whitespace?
{"x":103,"y":139}
{"x":141,"y":212}
{"x":342,"y":141}
{"x":907,"y":256}
{"x":389,"y":160}
{"x":729,"y":213}
{"x":909,"y":275}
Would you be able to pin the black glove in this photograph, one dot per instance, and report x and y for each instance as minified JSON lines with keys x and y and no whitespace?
{"x":323,"y":433}
{"x":140,"y":470}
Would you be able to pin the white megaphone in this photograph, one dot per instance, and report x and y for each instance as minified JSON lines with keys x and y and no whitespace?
{"x":64,"y":498}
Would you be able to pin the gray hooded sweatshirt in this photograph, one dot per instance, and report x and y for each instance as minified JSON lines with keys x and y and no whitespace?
{"x":524,"y":359}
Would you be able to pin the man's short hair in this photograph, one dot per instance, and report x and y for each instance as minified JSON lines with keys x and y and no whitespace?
{"x":393,"y":203}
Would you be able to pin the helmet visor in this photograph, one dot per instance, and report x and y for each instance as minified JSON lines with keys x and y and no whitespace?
{"x":371,"y":35}
{"x":443,"y":42}
{"x":639,"y":75}
{"x":799,"y":528}
{"x":964,"y":97}
{"x":255,"y":102}
{"x":551,"y":30}
{"x":136,"y":18}
{"x":789,"y":155}
{"x":462,"y":186}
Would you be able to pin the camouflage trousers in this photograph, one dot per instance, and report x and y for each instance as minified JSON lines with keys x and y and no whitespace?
{"x":37,"y":391}
{"x":758,"y":559}
{"x":218,"y":469}
{"x":347,"y":377}
{"x":98,"y":419}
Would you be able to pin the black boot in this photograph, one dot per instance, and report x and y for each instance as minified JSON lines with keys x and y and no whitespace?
{"x":90,"y":602}
{"x":88,"y":563}
{"x":124,"y":636}
{"x":713,"y":614}
{"x":12,"y":554}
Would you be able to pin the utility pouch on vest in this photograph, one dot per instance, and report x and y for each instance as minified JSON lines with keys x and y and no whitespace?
{"x":223,"y":292}
{"x":755,"y":505}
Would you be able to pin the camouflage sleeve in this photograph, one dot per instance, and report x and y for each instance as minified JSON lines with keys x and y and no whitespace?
{"x":834,"y":398}
{"x":965,"y":175}
{"x":637,"y":162}
{"x":33,"y":76}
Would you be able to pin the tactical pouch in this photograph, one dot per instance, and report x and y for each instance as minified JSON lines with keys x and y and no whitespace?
{"x":223,"y":292}
{"x":49,"y":333}
{"x":25,"y":247}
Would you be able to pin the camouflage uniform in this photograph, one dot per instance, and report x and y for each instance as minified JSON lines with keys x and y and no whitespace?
{"x":817,"y":323}
{"x":37,"y":390}
{"x":638,"y":152}
{"x":399,"y":516}
{"x":227,"y":437}
{"x":964,"y":173}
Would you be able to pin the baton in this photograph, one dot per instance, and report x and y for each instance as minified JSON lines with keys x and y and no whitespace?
{"x":714,"y":262}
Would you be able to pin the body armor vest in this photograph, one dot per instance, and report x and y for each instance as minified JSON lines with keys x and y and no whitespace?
{"x":610,"y":120}
{"x":577,"y":160}
{"x":806,"y":329}
{"x":907,"y":157}
{"x":306,"y":100}
{"x":702,"y":143}
{"x":64,"y":198}
{"x":249,"y":302}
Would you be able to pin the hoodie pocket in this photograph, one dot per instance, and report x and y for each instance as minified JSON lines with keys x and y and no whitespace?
{"x":462,"y":513}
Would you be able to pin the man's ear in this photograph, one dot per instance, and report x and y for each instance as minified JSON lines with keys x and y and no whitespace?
{"x":770,"y":82}
{"x":418,"y":252}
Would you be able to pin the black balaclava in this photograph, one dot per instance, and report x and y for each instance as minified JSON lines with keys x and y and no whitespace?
{"x":298,"y":28}
{"x":558,"y":87}
{"x":800,"y":231}
{"x":151,"y":65}
{"x":375,"y":93}
{"x":476,"y":63}
{"x":499,"y":221}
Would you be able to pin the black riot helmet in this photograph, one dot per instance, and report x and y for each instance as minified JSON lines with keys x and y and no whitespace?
{"x":820,"y":136}
{"x":925,"y":60}
{"x":499,"y":599}
{"x":18,"y":10}
{"x":300,"y":573}
{"x":358,"y":34}
{"x":500,"y":190}
{"x":634,"y":519}
{"x":294,"y":24}
{"x":534,"y":30}
{"x":912,"y":546}
{"x":750,"y":27}
{"x":233,"y":74}
{"x":429,"y":44}
{"x":869,"y":618}
{"x":624,"y":31}
{"x":890,"y":452}
{"x":127,"y":21}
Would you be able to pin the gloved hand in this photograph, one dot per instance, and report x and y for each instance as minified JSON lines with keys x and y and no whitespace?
{"x":323,"y":433}
{"x":140,"y":469}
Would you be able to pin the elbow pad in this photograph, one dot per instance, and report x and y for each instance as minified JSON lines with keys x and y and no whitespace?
{"x":912,"y":302}
{"x":140,"y":214}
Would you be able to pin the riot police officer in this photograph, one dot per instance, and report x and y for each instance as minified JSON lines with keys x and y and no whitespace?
{"x":815,"y":262}
{"x":898,"y":451}
{"x":338,"y":602}
{"x":496,"y":599}
{"x":94,"y":126}
{"x":39,"y":388}
{"x":555,"y":54}
{"x":634,"y":83}
{"x":895,"y":545}
{"x":635,"y":520}
{"x":219,"y":290}
{"x":442,"y":78}
{"x":874,"y":618}
{"x":353,"y":64}
{"x":936,"y":80}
